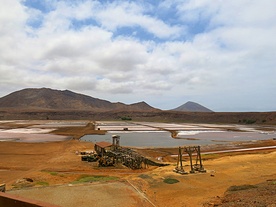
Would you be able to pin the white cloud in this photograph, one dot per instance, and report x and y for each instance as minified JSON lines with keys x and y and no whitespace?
{"x":118,"y":14}
{"x":197,"y":10}
{"x":12,"y":17}
{"x":234,"y":53}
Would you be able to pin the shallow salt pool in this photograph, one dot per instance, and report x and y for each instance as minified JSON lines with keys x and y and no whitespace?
{"x":164,"y":139}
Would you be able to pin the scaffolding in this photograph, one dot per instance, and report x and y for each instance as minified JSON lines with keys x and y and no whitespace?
{"x":111,"y":154}
{"x":190,"y":151}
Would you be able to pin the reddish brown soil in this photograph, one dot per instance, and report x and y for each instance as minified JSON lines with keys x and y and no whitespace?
{"x":56,"y":163}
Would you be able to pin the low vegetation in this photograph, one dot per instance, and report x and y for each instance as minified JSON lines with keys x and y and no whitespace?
{"x":170,"y":180}
{"x":42,"y":183}
{"x":126,"y":118}
{"x":53,"y":173}
{"x":95,"y":178}
{"x":144,"y":176}
{"x":248,"y":121}
{"x":241,"y":187}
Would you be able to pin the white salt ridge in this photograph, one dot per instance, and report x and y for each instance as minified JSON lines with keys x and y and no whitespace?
{"x":27,"y":130}
{"x":195,"y":132}
{"x":133,"y":131}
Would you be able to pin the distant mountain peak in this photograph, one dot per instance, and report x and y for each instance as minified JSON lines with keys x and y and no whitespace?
{"x":46,"y":98}
{"x":141,"y":105}
{"x":191,"y":106}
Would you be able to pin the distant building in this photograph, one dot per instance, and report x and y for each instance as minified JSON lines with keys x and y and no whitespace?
{"x":102,"y":147}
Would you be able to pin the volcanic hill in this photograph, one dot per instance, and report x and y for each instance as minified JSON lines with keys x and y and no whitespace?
{"x":45,"y":98}
{"x":45,"y":103}
{"x":192,"y":107}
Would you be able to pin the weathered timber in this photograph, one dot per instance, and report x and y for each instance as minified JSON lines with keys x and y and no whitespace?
{"x":191,"y":151}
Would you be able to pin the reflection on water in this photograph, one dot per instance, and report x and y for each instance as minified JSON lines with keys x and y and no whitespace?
{"x":163,"y":139}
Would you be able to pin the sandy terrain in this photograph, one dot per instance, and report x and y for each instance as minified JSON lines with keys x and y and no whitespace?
{"x":99,"y":194}
{"x":53,"y":166}
{"x":57,"y":164}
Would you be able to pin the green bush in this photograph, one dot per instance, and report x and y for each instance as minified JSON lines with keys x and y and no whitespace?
{"x":241,"y":187}
{"x":53,"y":173}
{"x":248,"y":121}
{"x":170,"y":181}
{"x":43,"y":183}
{"x":144,"y":176}
{"x":89,"y":179}
{"x":126,"y":118}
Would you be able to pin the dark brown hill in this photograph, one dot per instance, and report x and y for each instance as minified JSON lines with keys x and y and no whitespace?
{"x":140,"y":106}
{"x":45,"y":98}
{"x":262,"y":118}
{"x":192,"y":107}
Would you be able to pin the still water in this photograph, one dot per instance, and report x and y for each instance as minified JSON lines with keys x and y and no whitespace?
{"x":163,"y":138}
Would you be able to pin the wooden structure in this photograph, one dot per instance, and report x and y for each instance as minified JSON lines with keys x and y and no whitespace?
{"x":109,"y":154}
{"x":179,"y":166}
{"x":102,"y":147}
{"x":191,"y":151}
{"x":115,"y":142}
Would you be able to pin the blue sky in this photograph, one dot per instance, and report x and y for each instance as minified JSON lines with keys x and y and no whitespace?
{"x":221,"y":54}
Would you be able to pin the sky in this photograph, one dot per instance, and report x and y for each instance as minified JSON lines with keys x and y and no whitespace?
{"x":220,"y":54}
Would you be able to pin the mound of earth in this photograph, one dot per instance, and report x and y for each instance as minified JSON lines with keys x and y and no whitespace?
{"x":51,"y":99}
{"x":262,"y":194}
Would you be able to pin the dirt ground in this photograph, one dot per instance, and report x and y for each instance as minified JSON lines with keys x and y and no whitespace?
{"x":42,"y":170}
{"x":56,"y":163}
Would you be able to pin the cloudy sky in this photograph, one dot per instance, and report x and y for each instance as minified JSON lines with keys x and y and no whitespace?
{"x":221,"y":54}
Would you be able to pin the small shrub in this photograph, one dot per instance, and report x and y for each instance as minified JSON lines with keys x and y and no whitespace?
{"x":241,"y":187}
{"x":89,"y":179}
{"x":248,"y":121}
{"x":144,"y":176}
{"x":170,"y":181}
{"x":272,"y":183}
{"x":43,"y":183}
{"x":53,"y":173}
{"x":126,"y":118}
